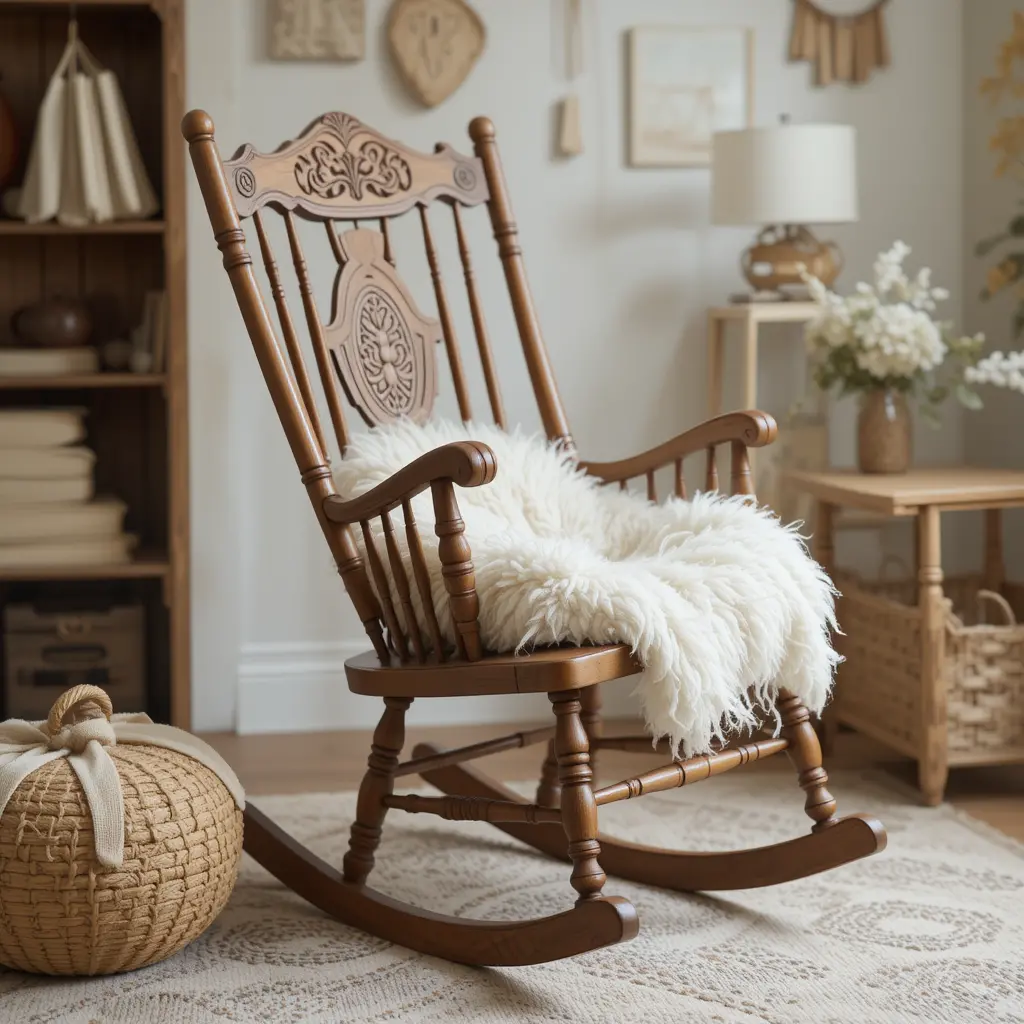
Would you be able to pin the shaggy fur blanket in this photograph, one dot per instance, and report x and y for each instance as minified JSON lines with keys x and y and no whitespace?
{"x":719,"y":600}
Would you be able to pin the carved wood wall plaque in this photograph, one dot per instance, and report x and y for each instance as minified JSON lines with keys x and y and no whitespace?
{"x":383,"y":346}
{"x":341,"y":168}
{"x":435,"y":44}
{"x":318,"y":29}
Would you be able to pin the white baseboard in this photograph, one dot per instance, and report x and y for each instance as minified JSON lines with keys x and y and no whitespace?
{"x":301,"y":687}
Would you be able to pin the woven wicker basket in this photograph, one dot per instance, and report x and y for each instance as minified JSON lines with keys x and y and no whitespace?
{"x":61,"y":912}
{"x":880,"y":682}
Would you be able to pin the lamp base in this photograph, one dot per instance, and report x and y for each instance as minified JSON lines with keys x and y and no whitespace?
{"x":780,"y":255}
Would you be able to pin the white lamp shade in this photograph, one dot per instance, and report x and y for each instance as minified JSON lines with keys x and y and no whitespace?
{"x":789,"y":174}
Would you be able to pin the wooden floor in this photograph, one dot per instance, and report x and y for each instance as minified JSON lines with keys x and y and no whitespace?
{"x":335,"y":761}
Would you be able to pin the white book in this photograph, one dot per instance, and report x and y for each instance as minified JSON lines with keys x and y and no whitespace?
{"x":72,"y":462}
{"x":37,"y":492}
{"x":72,"y":551}
{"x":23,"y":524}
{"x":47,"y":362}
{"x":41,"y":428}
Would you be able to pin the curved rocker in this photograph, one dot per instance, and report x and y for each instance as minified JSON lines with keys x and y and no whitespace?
{"x":587,"y":926}
{"x":849,"y":839}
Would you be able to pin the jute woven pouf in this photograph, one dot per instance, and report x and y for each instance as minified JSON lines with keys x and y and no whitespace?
{"x":61,"y":911}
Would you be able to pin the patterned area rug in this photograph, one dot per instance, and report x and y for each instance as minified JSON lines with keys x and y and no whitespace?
{"x":928,"y":932}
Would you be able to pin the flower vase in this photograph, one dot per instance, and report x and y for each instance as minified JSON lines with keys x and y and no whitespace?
{"x":883,"y":433}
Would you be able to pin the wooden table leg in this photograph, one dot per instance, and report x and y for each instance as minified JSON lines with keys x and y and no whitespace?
{"x":995,"y":573}
{"x":750,"y":363}
{"x":933,"y":765}
{"x":716,"y":364}
{"x":823,"y":549}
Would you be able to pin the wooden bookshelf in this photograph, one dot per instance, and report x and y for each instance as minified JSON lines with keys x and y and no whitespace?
{"x":137,"y":423}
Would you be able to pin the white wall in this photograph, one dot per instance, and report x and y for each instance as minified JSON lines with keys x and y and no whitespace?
{"x":994,"y":436}
{"x":623,"y":264}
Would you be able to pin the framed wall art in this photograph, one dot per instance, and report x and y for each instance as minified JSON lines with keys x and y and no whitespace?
{"x":317,"y":29}
{"x":685,"y":84}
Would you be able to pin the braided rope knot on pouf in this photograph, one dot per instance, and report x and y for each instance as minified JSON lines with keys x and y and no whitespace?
{"x":120,"y":839}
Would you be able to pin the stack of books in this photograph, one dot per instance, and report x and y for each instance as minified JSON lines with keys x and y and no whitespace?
{"x":49,"y":515}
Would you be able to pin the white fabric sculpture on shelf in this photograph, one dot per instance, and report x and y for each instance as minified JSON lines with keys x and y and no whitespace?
{"x":84,"y":166}
{"x":720,"y":601}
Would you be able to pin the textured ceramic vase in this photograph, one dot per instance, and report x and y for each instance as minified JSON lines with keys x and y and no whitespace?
{"x":883,"y":433}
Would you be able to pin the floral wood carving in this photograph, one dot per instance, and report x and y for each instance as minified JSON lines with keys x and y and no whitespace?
{"x":341,"y":168}
{"x":383,"y":347}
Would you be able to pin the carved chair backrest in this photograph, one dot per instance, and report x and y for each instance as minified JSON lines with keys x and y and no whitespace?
{"x":377,"y":344}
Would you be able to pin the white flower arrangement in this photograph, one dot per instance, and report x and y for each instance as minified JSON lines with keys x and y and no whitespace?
{"x":1003,"y":369}
{"x":884,"y":337}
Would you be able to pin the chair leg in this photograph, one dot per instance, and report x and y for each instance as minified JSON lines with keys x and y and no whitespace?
{"x":590,"y":698}
{"x":579,"y":809}
{"x":805,"y":753}
{"x":378,"y":782}
{"x":549,"y":794}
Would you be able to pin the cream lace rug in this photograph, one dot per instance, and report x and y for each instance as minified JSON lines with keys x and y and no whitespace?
{"x":930,"y":931}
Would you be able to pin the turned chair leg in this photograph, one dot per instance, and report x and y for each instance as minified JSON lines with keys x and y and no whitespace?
{"x":579,"y":809}
{"x":378,"y":783}
{"x":805,"y":752}
{"x":590,"y":699}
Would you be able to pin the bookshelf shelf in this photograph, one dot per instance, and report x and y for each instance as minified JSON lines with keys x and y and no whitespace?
{"x":143,"y":567}
{"x":83,"y":380}
{"x":19,"y":229}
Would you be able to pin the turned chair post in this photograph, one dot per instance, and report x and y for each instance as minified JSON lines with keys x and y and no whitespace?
{"x":378,"y":784}
{"x":578,"y":806}
{"x":804,"y":751}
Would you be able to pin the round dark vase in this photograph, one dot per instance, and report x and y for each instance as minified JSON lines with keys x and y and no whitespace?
{"x":883,"y":432}
{"x":53,"y":323}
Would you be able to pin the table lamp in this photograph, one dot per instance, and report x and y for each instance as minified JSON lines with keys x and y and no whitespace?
{"x":782,"y":179}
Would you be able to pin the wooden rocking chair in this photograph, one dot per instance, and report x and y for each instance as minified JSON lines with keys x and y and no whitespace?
{"x":382,"y":352}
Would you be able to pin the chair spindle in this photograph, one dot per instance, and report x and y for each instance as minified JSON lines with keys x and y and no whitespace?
{"x":711,"y":475}
{"x":385,"y":230}
{"x":447,"y":326}
{"x":422,"y":577}
{"x":623,"y":484}
{"x":476,"y":310}
{"x":457,"y":569}
{"x":380,"y":581}
{"x":332,"y":237}
{"x":652,"y":491}
{"x":680,"y":488}
{"x":316,"y":332}
{"x":742,"y":482}
{"x":291,"y":338}
{"x":412,"y":629}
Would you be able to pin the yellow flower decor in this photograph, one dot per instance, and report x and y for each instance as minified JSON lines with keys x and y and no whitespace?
{"x":1007,"y":144}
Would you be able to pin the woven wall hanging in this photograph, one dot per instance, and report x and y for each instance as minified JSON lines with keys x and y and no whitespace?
{"x":842,"y":48}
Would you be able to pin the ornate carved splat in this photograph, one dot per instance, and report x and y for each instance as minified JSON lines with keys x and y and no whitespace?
{"x":340,"y":168}
{"x":382,"y":345}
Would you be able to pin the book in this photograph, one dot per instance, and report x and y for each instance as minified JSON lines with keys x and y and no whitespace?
{"x":41,"y":428}
{"x":55,"y":362}
{"x":71,"y":551}
{"x":21,"y":524}
{"x":70,"y":462}
{"x":37,"y":492}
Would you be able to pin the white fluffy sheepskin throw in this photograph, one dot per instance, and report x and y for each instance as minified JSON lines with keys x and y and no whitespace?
{"x":720,"y":601}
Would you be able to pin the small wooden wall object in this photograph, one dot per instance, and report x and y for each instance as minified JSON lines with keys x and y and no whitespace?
{"x":318,"y":29}
{"x":842,"y":48}
{"x":435,"y":44}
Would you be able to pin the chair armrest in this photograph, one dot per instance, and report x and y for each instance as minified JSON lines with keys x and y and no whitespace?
{"x":466,"y":463}
{"x":751,"y":429}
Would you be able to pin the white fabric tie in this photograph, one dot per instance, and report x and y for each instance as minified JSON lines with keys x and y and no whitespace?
{"x":27,"y":746}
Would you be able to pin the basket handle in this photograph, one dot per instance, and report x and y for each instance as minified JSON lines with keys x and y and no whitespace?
{"x":991,"y":595}
{"x":71,"y":699}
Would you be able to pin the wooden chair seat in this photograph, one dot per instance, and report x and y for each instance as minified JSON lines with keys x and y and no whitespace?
{"x":547,"y":670}
{"x":379,"y":350}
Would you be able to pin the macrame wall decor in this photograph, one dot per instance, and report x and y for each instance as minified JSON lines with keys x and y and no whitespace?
{"x":842,"y":47}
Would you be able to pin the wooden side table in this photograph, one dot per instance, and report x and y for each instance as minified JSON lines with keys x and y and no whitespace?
{"x":749,"y":316}
{"x":922,"y":494}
